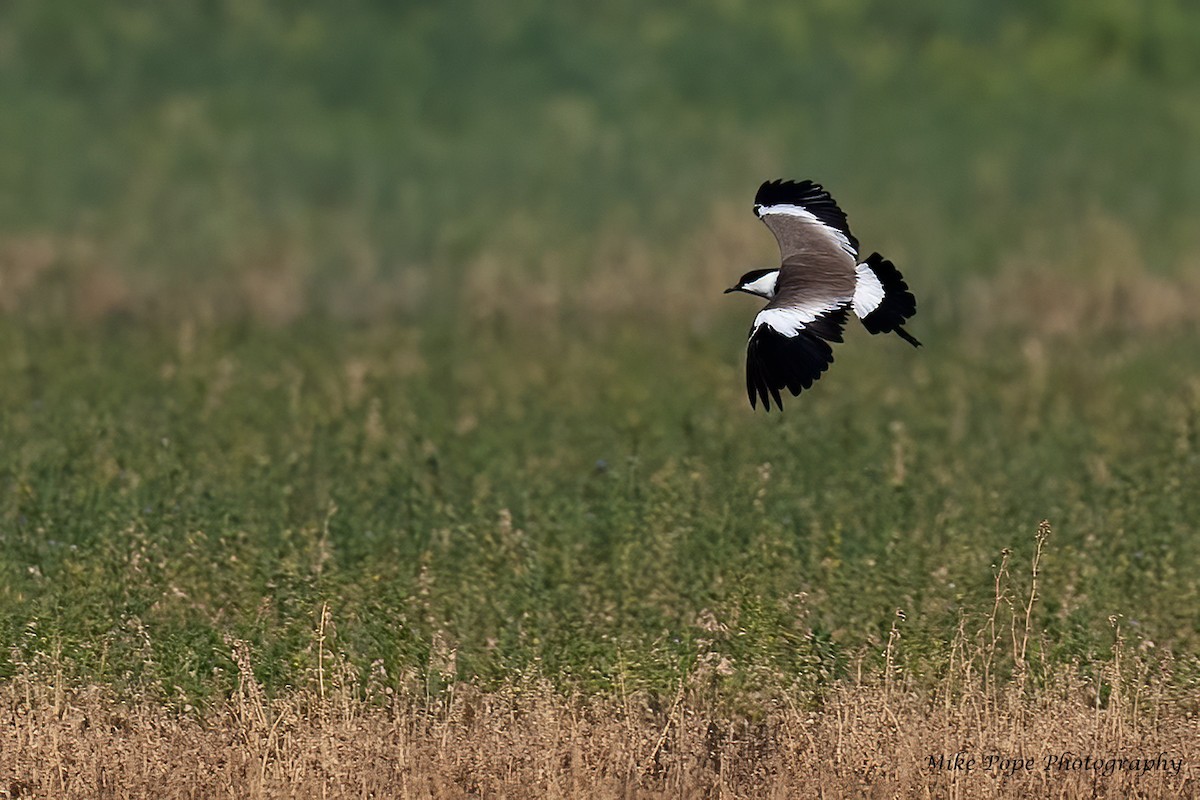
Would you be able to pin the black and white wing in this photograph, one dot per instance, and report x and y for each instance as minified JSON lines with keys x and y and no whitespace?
{"x":802,"y":215}
{"x":789,"y":341}
{"x":789,"y":349}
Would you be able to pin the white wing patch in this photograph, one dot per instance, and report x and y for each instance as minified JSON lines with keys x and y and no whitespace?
{"x":868,"y":291}
{"x":789,"y":210}
{"x":793,"y":319}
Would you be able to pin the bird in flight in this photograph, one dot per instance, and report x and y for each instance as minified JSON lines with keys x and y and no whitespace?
{"x":819,"y":280}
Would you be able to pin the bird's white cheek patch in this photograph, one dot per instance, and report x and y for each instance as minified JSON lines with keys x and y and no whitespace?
{"x":764,"y":286}
{"x":793,"y":319}
{"x":868,"y":291}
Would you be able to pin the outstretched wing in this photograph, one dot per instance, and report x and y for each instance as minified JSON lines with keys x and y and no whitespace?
{"x":803,"y":218}
{"x":818,"y":252}
{"x":789,"y":349}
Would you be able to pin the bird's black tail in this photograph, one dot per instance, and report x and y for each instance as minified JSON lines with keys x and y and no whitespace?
{"x":882,"y":299}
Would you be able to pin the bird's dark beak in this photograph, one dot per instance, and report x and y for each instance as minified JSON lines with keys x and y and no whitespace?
{"x":731,"y":289}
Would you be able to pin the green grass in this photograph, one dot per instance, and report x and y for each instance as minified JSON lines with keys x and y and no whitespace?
{"x":353,"y":308}
{"x":578,"y":506}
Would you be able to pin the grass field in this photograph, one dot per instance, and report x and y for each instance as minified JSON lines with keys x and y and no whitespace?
{"x":366,"y":386}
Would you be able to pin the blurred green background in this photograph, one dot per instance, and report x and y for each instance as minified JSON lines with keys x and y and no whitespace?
{"x":181,"y":143}
{"x":412,"y":312}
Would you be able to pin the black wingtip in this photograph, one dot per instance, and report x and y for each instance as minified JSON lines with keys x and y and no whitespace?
{"x":775,"y":362}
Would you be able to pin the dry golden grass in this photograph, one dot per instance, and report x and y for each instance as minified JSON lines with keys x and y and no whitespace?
{"x":994,"y":722}
{"x":988,"y":720}
{"x":867,"y":739}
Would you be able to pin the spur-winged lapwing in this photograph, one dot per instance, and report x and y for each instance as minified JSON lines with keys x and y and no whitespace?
{"x":818,"y":281}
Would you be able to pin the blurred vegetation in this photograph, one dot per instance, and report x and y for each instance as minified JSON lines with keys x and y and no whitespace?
{"x":413,"y":310}
{"x":193,"y":137}
{"x":597,"y":513}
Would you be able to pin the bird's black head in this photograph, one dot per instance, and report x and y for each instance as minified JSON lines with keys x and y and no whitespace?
{"x":759,"y":282}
